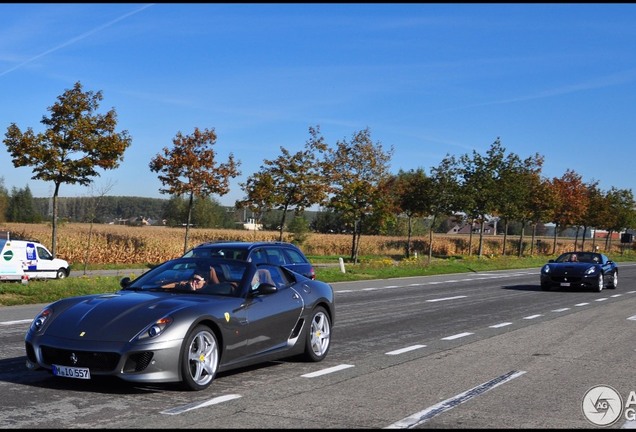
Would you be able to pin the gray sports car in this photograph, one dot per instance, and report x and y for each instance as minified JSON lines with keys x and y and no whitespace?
{"x":184,"y":321}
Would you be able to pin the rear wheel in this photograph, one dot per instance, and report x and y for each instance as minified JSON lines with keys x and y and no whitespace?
{"x":600,"y":283}
{"x":319,"y":335}
{"x":614,"y":281}
{"x":199,"y":358}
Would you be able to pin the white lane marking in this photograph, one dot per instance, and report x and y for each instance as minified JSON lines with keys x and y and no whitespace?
{"x":581,"y":304}
{"x":532,"y":316}
{"x":327,"y":371}
{"x":504,"y":324}
{"x":561,"y":310}
{"x":445,"y":298}
{"x":616,"y":295}
{"x":601,"y":299}
{"x":457,"y":336}
{"x":427,"y":414}
{"x":197,"y":405}
{"x":632,"y":318}
{"x":403,"y":350}
{"x":15,"y":322}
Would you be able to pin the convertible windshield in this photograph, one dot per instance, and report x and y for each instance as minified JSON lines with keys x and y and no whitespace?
{"x":584,"y":257}
{"x":205,"y":275}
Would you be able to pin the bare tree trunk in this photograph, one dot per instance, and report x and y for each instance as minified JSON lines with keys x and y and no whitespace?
{"x":430,"y":240}
{"x":520,"y":248}
{"x":408,"y":239}
{"x":282,"y":223}
{"x":54,"y":222}
{"x":481,"y":237}
{"x":187,"y":233}
{"x":470,"y":238}
{"x":503,"y":251}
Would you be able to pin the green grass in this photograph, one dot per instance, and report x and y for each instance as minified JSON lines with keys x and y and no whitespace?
{"x":327,"y":269}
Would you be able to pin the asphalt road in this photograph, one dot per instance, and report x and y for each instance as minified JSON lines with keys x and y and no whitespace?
{"x":482,"y":350}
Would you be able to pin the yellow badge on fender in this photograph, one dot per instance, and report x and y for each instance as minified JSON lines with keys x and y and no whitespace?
{"x":227,"y":317}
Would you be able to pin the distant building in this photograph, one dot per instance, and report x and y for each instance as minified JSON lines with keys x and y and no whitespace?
{"x":251,"y":225}
{"x":489,"y":228}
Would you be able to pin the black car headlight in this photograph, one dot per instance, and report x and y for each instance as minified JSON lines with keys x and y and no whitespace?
{"x":590,"y":271}
{"x":545,"y":269}
{"x":41,"y":319}
{"x":155,"y":329}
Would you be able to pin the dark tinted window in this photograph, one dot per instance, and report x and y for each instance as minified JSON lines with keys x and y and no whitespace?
{"x":275,"y":256}
{"x":258,"y":256}
{"x":295,"y":257}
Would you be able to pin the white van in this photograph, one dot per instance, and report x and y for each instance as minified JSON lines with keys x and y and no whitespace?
{"x":30,"y":258}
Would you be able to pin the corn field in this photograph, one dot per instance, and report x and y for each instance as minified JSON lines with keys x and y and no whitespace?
{"x":121,"y":244}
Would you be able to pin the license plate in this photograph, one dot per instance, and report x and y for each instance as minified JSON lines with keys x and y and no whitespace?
{"x":565,"y":283}
{"x":71,"y":372}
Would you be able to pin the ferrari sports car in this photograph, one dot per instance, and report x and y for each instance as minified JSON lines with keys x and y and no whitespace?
{"x":183,"y":321}
{"x":580,"y":270}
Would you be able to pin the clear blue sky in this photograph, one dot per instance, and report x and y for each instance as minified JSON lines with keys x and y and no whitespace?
{"x":427,"y":79}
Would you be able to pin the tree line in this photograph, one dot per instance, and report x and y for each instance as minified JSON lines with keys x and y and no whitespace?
{"x":351,"y":180}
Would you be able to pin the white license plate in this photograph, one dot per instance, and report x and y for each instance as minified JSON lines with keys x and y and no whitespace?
{"x":71,"y":372}
{"x":565,"y":283}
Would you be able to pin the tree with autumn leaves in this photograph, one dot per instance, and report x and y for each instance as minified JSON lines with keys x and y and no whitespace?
{"x":76,"y":142}
{"x":190,"y":168}
{"x":290,"y":181}
{"x":359,"y":168}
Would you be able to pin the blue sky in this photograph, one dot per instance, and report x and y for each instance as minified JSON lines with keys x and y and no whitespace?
{"x":427,"y":79}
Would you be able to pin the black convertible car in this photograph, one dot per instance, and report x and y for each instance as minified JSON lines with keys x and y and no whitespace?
{"x":184,"y":321}
{"x":580,"y":270}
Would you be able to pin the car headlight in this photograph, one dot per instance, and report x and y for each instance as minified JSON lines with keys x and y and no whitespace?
{"x":590,"y":271}
{"x":40,"y":320}
{"x":545,"y":269}
{"x":155,"y":329}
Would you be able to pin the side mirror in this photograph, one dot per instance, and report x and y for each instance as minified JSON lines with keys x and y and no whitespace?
{"x":264,"y":288}
{"x":125,"y":282}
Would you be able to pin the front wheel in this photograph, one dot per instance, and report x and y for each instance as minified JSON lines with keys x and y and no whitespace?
{"x":318,"y":336}
{"x":199,"y":358}
{"x":600,"y":284}
{"x":61,"y":274}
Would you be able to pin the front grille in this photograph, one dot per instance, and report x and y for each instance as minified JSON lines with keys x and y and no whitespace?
{"x":572,"y":280}
{"x":95,"y":361}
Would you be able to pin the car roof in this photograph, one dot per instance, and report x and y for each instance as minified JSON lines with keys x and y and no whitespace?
{"x":242,"y":244}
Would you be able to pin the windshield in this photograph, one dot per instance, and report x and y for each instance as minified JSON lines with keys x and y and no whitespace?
{"x":583,"y":257}
{"x":206,"y":275}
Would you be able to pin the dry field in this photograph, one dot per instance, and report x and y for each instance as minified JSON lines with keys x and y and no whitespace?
{"x":119,"y":244}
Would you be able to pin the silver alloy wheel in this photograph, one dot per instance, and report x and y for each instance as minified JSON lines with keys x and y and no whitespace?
{"x":600,"y":284}
{"x":615,"y":279}
{"x":203,"y":357}
{"x":320,"y":334}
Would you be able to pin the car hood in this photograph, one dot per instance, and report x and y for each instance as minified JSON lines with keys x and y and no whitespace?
{"x":114,"y":317}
